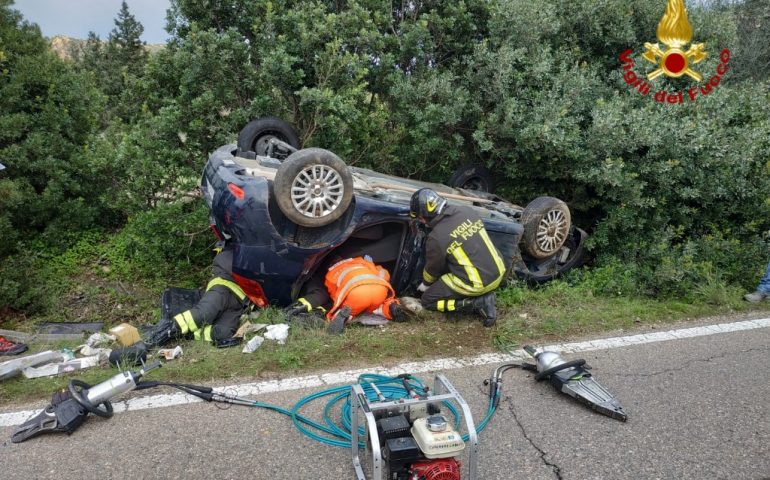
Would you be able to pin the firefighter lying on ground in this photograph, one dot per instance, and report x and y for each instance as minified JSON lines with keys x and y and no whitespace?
{"x":350,"y":287}
{"x":216,"y":316}
{"x":462,"y":266}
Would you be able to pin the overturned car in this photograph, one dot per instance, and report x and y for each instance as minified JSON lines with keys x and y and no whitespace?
{"x":286,"y":210}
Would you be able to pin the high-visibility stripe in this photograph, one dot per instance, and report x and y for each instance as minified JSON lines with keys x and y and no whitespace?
{"x":428,"y":277}
{"x":345,"y":272}
{"x":493,"y":251}
{"x":354,"y":282}
{"x":203,"y":334}
{"x":179,"y":319}
{"x":462,"y":288}
{"x":227,"y":283}
{"x":450,"y":305}
{"x":305,"y":303}
{"x":440,"y":305}
{"x":188,"y":319}
{"x":472,"y":271}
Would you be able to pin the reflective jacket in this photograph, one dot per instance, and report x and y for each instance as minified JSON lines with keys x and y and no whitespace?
{"x":458,"y":250}
{"x":345,"y":275}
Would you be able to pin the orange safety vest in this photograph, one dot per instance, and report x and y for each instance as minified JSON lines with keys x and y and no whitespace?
{"x":346,"y":275}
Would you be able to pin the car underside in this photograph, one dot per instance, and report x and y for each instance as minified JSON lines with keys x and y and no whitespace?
{"x":286,"y":215}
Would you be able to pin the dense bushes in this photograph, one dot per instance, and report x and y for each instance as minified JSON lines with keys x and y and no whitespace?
{"x":675,"y":196}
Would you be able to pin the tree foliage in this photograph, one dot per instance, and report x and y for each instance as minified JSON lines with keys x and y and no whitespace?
{"x":679,"y":194}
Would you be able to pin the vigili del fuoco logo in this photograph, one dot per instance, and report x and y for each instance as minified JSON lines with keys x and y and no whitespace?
{"x":675,"y":59}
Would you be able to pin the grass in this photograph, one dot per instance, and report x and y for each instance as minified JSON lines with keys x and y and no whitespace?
{"x":526,"y":315}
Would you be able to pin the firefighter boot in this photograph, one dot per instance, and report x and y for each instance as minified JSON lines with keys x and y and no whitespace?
{"x":483,"y":305}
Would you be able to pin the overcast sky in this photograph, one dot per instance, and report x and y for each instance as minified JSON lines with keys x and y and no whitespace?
{"x":75,"y":18}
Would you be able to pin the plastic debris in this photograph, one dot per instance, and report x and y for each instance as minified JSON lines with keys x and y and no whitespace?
{"x":13,"y":367}
{"x":88,"y":351}
{"x":171,"y":353}
{"x":248,"y":328}
{"x":100,"y":339}
{"x":278,"y":332}
{"x":253,"y":344}
{"x":61,"y":367}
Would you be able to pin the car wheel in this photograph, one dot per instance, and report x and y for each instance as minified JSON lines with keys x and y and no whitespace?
{"x":546,"y":223}
{"x":313,"y":187}
{"x":256,"y":135}
{"x":472,"y":177}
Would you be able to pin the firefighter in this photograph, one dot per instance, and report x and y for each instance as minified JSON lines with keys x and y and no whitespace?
{"x":351,"y":286}
{"x":462,"y":266}
{"x":216,"y":316}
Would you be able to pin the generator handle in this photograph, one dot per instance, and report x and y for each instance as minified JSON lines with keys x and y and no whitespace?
{"x":441,"y":384}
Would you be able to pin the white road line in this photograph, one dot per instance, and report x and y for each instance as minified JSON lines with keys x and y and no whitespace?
{"x":351,"y":376}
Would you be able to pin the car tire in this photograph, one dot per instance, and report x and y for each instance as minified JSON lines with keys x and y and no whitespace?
{"x":256,"y":135}
{"x":473,"y":177}
{"x":577,"y":257}
{"x":313,"y":187}
{"x":547,"y":224}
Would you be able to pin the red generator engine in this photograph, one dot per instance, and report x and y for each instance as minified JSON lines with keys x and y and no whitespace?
{"x":444,"y":469}
{"x":411,"y":439}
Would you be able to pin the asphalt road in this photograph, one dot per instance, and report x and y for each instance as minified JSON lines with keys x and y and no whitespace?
{"x":698,"y":409}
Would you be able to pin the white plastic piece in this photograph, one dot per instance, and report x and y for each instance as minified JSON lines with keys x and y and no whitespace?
{"x":444,"y":444}
{"x":253,"y":344}
{"x":171,"y":353}
{"x":278,"y":332}
{"x":62,"y":367}
{"x":14,"y":367}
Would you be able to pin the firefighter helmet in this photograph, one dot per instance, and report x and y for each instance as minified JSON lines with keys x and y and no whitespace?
{"x":426,"y":204}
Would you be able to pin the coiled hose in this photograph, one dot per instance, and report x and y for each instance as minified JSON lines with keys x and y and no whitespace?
{"x":329,"y":431}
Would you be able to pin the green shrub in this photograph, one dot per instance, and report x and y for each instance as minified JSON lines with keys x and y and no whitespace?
{"x":169,"y":244}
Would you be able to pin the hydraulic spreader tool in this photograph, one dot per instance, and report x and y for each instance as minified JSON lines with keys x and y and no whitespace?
{"x":570,"y":377}
{"x":396,"y":428}
{"x":69,"y":408}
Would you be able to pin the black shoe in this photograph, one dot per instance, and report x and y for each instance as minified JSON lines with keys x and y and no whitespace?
{"x":485,"y":306}
{"x":337,"y":325}
{"x":227,"y":342}
{"x":397,"y":312}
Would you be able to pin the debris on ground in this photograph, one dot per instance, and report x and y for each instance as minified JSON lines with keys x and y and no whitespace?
{"x":253,"y":344}
{"x":126,"y":334}
{"x":69,"y":327}
{"x":11,"y":368}
{"x":100,"y":339}
{"x":249,"y":328}
{"x":170,"y":353}
{"x":10,"y":348}
{"x":134,"y":355}
{"x":278,"y":332}
{"x":62,"y":367}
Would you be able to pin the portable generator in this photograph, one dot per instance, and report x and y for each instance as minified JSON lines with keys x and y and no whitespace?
{"x":412,"y":438}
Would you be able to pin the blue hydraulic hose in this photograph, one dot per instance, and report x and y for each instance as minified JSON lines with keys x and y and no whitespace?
{"x":337,"y":433}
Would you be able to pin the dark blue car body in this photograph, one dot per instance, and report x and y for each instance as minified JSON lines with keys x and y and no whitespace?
{"x":273,"y":257}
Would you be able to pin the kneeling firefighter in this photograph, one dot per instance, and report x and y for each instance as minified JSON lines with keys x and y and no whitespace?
{"x":216,"y":316}
{"x":462,"y":266}
{"x":351,"y":287}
